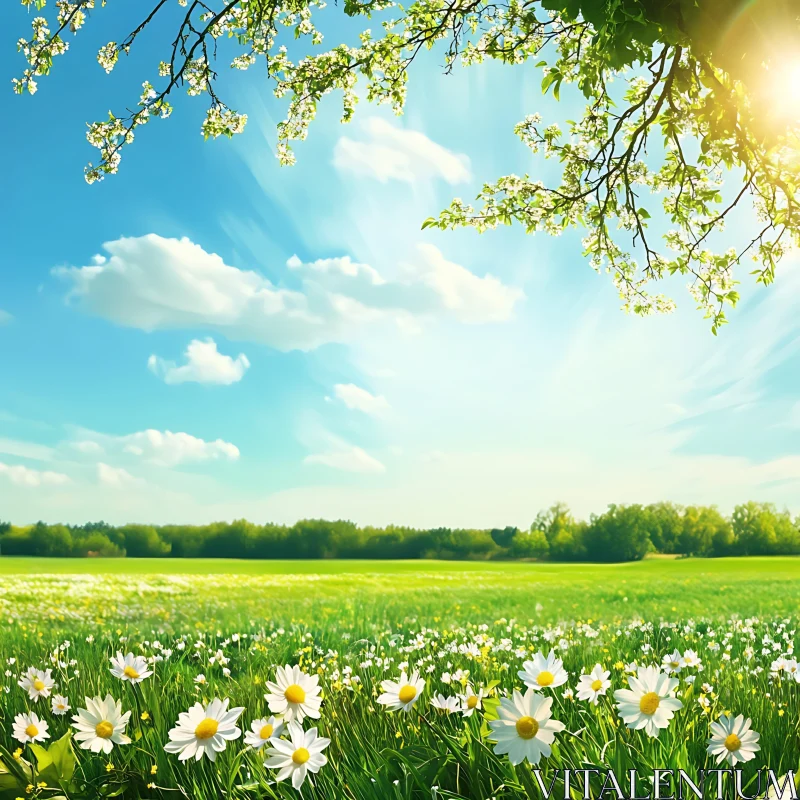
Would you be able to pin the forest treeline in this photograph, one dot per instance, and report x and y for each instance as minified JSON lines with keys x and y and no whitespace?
{"x":622,"y":533}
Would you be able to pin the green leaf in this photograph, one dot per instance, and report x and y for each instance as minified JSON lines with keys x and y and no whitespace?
{"x":56,"y":765}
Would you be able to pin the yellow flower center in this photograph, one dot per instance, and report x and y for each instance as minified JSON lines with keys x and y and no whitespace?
{"x":597,"y":685}
{"x":300,"y":756}
{"x":266,"y":731}
{"x":31,"y":731}
{"x":527,"y":727}
{"x":407,"y":694}
{"x":649,"y":703}
{"x":38,"y":685}
{"x":545,"y":678}
{"x":206,"y":729}
{"x":295,"y":693}
{"x":674,"y":664}
{"x":104,"y":729}
{"x":472,"y":701}
{"x":130,"y":672}
{"x":732,"y":743}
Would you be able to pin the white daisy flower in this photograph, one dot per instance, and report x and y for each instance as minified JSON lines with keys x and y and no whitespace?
{"x":261,"y":731}
{"x":691,"y":659}
{"x":296,"y":757}
{"x":673,"y":662}
{"x":596,"y":683}
{"x":294,"y":695}
{"x":60,"y":705}
{"x":403,"y":693}
{"x":648,"y":704}
{"x":471,"y":701}
{"x":130,"y":668}
{"x":732,"y":740}
{"x":525,"y":728}
{"x":101,"y":724}
{"x":29,"y":728}
{"x":204,"y":731}
{"x":543,"y":672}
{"x":37,"y":683}
{"x":448,"y":704}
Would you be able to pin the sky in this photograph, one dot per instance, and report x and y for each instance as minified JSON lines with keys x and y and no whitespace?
{"x":209,"y":336}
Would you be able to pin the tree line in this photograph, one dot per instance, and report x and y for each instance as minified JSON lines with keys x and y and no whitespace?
{"x":621,"y":533}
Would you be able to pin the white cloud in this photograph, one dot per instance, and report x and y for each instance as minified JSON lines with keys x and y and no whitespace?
{"x":87,"y":447}
{"x":153,"y":283}
{"x":389,"y":152}
{"x":38,"y":452}
{"x":350,"y":459}
{"x":204,"y":364}
{"x":114,"y":476}
{"x":160,"y":448}
{"x":24,"y":476}
{"x":5,"y":317}
{"x":360,"y":399}
{"x":470,"y":298}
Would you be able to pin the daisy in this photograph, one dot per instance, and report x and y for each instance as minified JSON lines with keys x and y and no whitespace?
{"x":648,"y":704}
{"x":732,"y":740}
{"x":261,"y":731}
{"x":296,"y":757}
{"x":101,"y":724}
{"x":448,"y":704}
{"x":204,"y":731}
{"x":37,"y":683}
{"x":130,"y":668}
{"x":691,"y":659}
{"x":294,"y":695}
{"x":591,"y":686}
{"x":471,"y":701}
{"x":543,"y":672}
{"x":673,"y":662}
{"x":29,"y":728}
{"x":60,"y":705}
{"x":525,"y":728}
{"x":402,"y":694}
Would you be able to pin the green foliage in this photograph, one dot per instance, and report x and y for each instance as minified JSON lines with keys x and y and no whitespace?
{"x":503,"y":537}
{"x":530,"y":544}
{"x":622,"y":533}
{"x":706,"y":532}
{"x":759,"y":529}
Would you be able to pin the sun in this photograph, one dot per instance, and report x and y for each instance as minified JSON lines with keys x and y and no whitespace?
{"x":790,"y":86}
{"x":775,"y":94}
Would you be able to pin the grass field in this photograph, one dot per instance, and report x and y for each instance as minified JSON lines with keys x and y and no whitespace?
{"x":221,"y":629}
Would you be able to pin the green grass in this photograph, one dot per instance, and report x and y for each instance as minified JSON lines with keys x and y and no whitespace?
{"x":457,"y":590}
{"x":479,"y":621}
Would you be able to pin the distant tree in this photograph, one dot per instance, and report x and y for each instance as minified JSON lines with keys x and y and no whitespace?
{"x":565,"y":535}
{"x":666,"y":526}
{"x":530,"y":544}
{"x":51,"y":540}
{"x":705,"y":532}
{"x":621,"y":534}
{"x":97,"y":545}
{"x":760,"y":529}
{"x":141,"y":541}
{"x":503,"y":537}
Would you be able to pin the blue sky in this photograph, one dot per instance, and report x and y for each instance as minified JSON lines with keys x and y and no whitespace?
{"x":208,"y":335}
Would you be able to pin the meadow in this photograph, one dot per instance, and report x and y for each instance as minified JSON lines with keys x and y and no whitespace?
{"x":698,"y":642}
